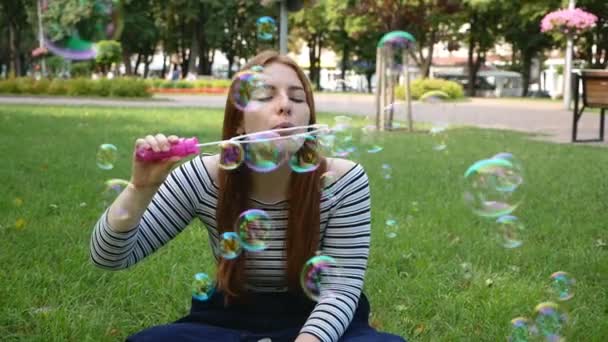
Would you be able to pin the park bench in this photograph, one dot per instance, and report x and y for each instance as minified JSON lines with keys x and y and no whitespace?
{"x":594,"y":94}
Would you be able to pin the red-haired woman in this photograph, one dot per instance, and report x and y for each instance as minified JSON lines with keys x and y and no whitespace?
{"x":258,"y":294}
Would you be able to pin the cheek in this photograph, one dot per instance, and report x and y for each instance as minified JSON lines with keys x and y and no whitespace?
{"x":303,"y":114}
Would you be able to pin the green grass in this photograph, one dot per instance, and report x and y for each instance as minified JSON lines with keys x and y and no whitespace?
{"x":50,"y":292}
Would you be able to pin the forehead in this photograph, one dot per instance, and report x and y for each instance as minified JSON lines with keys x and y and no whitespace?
{"x":280,"y":74}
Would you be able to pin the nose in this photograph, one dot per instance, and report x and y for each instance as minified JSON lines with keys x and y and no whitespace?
{"x":284,"y":104}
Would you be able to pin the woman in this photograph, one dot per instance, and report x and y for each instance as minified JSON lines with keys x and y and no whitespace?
{"x":258,"y":294}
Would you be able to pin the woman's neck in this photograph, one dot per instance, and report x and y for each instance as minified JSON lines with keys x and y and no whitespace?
{"x":271,"y":187}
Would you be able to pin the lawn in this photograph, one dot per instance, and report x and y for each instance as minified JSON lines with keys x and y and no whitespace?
{"x":49,"y":291}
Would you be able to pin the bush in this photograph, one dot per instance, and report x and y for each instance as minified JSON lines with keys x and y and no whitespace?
{"x":423,"y":85}
{"x":119,"y":87}
{"x":57,"y":87}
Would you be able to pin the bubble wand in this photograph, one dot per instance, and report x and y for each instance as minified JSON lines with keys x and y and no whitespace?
{"x":190,"y":146}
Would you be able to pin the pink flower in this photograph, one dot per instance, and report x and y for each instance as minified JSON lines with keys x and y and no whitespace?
{"x":568,"y":20}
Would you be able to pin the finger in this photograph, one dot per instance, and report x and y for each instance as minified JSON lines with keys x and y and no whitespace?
{"x":173,"y":139}
{"x":141,"y":143}
{"x":153,"y":143}
{"x":163,"y":143}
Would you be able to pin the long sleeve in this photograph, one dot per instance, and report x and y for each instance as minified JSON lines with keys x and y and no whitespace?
{"x":346,"y":239}
{"x":172,"y":208}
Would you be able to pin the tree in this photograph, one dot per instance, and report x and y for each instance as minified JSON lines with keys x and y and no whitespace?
{"x":427,"y":20}
{"x":19,"y":34}
{"x":522,"y":31}
{"x":108,"y":52}
{"x":312,"y":26}
{"x":483,"y":19}
{"x":598,"y":36}
{"x":140,"y":35}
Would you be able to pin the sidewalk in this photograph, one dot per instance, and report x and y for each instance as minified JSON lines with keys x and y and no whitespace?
{"x":546,"y":119}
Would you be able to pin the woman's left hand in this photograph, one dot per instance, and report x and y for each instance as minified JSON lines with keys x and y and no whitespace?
{"x":304,"y":337}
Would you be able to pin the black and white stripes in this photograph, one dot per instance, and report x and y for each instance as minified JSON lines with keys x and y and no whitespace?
{"x":190,"y":193}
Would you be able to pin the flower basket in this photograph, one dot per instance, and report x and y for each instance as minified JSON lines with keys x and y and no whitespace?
{"x":569,"y":22}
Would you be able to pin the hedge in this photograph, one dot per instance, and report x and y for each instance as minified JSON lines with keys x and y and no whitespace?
{"x":424,"y":85}
{"x":117,"y":87}
{"x":159,"y":83}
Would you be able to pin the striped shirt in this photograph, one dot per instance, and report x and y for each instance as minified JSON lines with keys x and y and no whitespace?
{"x":189,"y":192}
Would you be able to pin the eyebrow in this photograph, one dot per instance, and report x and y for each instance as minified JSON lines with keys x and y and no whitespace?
{"x":288,"y":88}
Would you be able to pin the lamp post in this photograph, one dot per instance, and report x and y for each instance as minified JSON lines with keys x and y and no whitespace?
{"x":568,"y":66}
{"x":283,"y":28}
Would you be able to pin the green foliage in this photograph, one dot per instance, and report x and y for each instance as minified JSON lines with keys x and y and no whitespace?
{"x":422,"y":86}
{"x":414,"y":281}
{"x":108,"y":52}
{"x":117,"y":87}
{"x":82,"y":69}
{"x":184,"y":84}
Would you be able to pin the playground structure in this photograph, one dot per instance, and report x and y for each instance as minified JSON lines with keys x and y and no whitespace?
{"x":393,"y":47}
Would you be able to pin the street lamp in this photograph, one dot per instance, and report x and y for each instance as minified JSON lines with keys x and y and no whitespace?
{"x":568,"y":66}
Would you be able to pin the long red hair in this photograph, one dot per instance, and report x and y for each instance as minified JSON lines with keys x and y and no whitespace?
{"x":303,"y":224}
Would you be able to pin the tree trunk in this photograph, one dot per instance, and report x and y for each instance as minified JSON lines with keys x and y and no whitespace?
{"x":312,"y":59}
{"x":471,"y":74}
{"x":194,"y":49}
{"x":525,"y":72}
{"x":126,"y":60}
{"x":230,"y":64}
{"x":318,"y":60}
{"x":14,"y":64}
{"x":137,"y":62}
{"x":425,"y":67}
{"x":163,"y":72}
{"x":345,"y":58}
{"x":147,"y":61}
{"x":368,"y":77}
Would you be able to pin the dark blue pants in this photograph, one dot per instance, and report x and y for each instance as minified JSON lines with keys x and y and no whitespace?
{"x":277,"y":316}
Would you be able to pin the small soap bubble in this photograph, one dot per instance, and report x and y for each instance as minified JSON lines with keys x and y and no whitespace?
{"x":308,"y":157}
{"x":390,"y":227}
{"x":248,"y":87}
{"x":521,"y":330}
{"x":107,"y":154}
{"x":551,"y":321}
{"x":253,"y":227}
{"x":491,"y":188}
{"x":509,"y":231}
{"x":319,"y":276}
{"x":230,"y":245}
{"x":562,"y":285}
{"x":231,"y":155}
{"x":202,"y":287}
{"x":387,"y":171}
{"x":264,"y":152}
{"x":266,"y":28}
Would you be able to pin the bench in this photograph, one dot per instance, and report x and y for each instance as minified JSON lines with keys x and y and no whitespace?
{"x":594,"y":95}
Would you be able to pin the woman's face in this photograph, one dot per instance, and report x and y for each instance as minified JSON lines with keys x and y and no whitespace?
{"x":280,"y":103}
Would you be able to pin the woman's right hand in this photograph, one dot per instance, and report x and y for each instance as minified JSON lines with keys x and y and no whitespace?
{"x":147,"y":174}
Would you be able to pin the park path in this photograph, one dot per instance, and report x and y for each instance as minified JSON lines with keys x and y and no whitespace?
{"x":547,"y":120}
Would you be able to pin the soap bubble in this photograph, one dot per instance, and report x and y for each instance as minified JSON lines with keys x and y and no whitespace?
{"x":75,"y":38}
{"x":318,"y":276}
{"x":107,"y":154}
{"x":391,"y":227}
{"x":387,"y":171}
{"x":439,"y":136}
{"x":562,"y":285}
{"x":509,"y":231}
{"x":550,"y":320}
{"x":328,"y":178}
{"x":248,"y":87}
{"x":231,"y":155}
{"x":111,"y":189}
{"x":230,"y":245}
{"x":370,"y":139}
{"x":514,"y":174}
{"x":263,"y":153}
{"x":491,"y":190}
{"x":343,"y":144}
{"x":266,"y":28}
{"x":308,"y":157}
{"x":202,"y":287}
{"x":522,"y":330}
{"x":253,"y":227}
